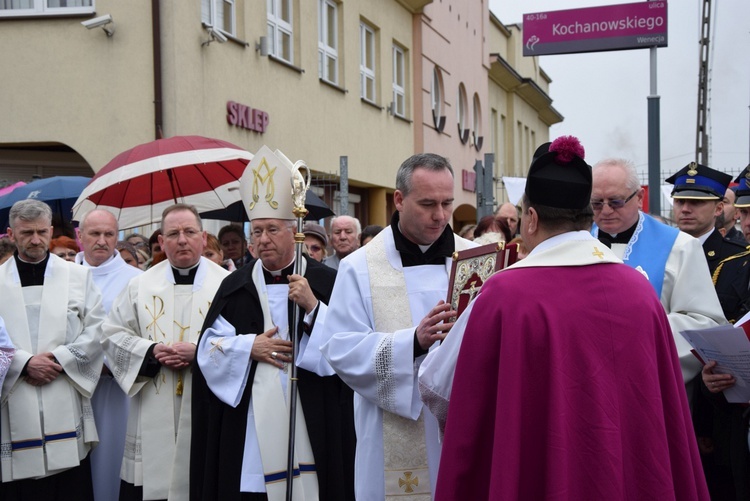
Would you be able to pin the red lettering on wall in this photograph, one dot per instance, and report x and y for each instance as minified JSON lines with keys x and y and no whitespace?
{"x":246,"y":117}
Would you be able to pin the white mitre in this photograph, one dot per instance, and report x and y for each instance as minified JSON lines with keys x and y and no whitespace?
{"x":266,"y":186}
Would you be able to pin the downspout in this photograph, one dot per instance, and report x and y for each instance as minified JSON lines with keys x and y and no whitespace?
{"x":156,"y":33}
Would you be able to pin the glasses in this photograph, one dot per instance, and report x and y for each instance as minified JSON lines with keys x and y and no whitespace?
{"x":188,"y":232}
{"x":613,"y":204}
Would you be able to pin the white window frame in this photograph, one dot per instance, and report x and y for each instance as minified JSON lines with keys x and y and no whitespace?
{"x":436,"y":97}
{"x":41,"y":8}
{"x":366,"y":73}
{"x":212,"y":14}
{"x":399,"y":85}
{"x":477,"y":121}
{"x":462,"y":112}
{"x":328,"y":53}
{"x":278,"y":27}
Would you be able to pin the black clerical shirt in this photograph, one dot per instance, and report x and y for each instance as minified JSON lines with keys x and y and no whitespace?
{"x":621,"y":238}
{"x":31,"y":273}
{"x":412,"y":255}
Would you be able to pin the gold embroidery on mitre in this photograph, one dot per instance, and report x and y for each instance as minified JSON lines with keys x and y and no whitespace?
{"x":408,"y":482}
{"x":266,"y":180}
{"x":692,"y":169}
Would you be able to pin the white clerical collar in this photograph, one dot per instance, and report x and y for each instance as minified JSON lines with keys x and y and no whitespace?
{"x":183,"y":272}
{"x":568,"y":236}
{"x":88,"y":265}
{"x":277,"y":273}
{"x":702,"y":239}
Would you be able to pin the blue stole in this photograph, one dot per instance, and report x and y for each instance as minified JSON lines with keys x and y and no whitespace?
{"x":649,"y":248}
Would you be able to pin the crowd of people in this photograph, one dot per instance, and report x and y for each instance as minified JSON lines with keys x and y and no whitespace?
{"x":159,"y":367}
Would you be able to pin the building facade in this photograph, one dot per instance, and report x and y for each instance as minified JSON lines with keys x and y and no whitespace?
{"x":370,"y":80}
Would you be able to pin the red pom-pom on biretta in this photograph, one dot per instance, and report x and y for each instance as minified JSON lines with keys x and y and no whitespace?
{"x":567,"y":147}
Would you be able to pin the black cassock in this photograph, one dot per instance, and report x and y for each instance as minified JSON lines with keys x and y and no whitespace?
{"x":218,"y":430}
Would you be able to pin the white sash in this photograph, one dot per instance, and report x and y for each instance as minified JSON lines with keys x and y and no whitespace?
{"x":407,"y":475}
{"x":272,"y":420}
{"x":57,"y":441}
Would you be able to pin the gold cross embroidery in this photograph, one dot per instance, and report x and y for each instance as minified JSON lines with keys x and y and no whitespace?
{"x":155,"y":315}
{"x":597,"y":253}
{"x":408,"y":482}
{"x":216,"y":345}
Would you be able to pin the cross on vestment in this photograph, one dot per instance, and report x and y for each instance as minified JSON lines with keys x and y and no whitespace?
{"x":473,"y":290}
{"x":597,"y":253}
{"x":408,"y":482}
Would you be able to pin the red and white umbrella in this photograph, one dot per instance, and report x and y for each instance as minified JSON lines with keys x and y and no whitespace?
{"x":138,"y":184}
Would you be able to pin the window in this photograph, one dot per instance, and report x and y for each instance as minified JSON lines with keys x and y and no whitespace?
{"x":436,"y":97}
{"x":11,"y":8}
{"x":280,"y":29}
{"x":476,"y":131}
{"x":399,"y":82}
{"x":367,"y":62}
{"x":220,"y":14}
{"x":462,"y":111}
{"x":328,"y":53}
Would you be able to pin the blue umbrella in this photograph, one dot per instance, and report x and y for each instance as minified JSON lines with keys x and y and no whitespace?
{"x":59,"y":192}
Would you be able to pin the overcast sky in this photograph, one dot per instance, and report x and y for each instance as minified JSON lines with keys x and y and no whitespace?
{"x":603,"y":95}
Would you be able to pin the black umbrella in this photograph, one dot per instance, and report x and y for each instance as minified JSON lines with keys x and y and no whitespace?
{"x":317,"y":209}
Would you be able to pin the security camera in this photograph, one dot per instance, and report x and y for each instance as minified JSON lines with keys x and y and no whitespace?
{"x":97,"y":22}
{"x":217,"y":35}
{"x":101,"y":22}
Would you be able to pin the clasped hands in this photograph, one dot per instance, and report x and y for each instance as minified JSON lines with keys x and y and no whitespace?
{"x":177,"y":356}
{"x":42,"y":369}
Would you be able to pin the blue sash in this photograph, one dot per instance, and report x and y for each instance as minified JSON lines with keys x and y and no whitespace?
{"x":649,"y":248}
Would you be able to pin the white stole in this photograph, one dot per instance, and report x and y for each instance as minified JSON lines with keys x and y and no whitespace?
{"x":31,"y":440}
{"x":272,"y":418}
{"x":406,"y":468}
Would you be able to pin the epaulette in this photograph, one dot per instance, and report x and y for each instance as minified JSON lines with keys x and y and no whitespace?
{"x":721,"y":264}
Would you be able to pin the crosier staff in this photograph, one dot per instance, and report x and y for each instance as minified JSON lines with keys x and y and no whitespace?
{"x":300,"y":185}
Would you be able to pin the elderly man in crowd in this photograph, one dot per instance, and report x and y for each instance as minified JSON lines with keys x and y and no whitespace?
{"x":670,"y":259}
{"x":240,"y":394}
{"x":507,"y":212}
{"x":387,"y":310}
{"x":53,"y":313}
{"x":345,"y":232}
{"x":149,"y":340}
{"x":98,"y":235}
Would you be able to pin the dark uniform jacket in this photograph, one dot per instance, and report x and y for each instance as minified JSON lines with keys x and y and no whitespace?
{"x":718,"y":248}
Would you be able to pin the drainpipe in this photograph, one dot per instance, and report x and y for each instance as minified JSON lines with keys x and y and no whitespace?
{"x":156,"y":33}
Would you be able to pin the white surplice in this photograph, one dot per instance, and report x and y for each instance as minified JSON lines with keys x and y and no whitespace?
{"x":152,"y":309}
{"x":109,"y":401}
{"x":687,"y":295}
{"x":64,"y":317}
{"x":379,"y":365}
{"x":6,"y":351}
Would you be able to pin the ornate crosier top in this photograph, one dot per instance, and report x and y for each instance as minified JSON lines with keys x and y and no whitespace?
{"x":300,"y":184}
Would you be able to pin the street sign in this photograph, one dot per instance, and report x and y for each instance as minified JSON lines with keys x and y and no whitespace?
{"x":613,"y":27}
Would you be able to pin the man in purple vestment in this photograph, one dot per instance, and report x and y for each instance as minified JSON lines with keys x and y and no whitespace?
{"x":567,"y":383}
